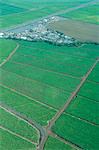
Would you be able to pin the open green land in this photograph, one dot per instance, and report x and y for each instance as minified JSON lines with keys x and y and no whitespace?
{"x":6,"y":47}
{"x":28,"y":107}
{"x":10,"y":141}
{"x":56,"y":144}
{"x":38,"y":80}
{"x":84,"y":108}
{"x":33,"y":10}
{"x":18,"y":126}
{"x":89,"y":51}
{"x":9,"y":9}
{"x":94,"y":76}
{"x":41,"y":92}
{"x":44,"y":76}
{"x":88,"y":14}
{"x":53,"y":61}
{"x":90,"y":90}
{"x":77,"y":131}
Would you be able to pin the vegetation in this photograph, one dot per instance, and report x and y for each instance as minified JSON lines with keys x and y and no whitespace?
{"x":54,"y":62}
{"x":44,"y":76}
{"x":77,"y":131}
{"x":26,"y":106}
{"x":90,"y":90}
{"x":9,"y":9}
{"x":56,"y":144}
{"x":34,"y":10}
{"x":18,"y":126}
{"x":87,"y":50}
{"x":10,"y":141}
{"x":94,"y":76}
{"x":88,"y":14}
{"x":84,"y":108}
{"x":6,"y":47}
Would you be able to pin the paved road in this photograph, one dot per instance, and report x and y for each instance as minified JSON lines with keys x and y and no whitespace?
{"x":27,"y":25}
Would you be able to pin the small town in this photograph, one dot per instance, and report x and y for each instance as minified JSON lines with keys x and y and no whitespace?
{"x":39,"y":32}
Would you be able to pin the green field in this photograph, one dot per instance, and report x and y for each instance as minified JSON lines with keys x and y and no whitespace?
{"x":88,"y":14}
{"x":53,"y":61}
{"x":90,"y":90}
{"x":26,"y":106}
{"x":77,"y":131}
{"x":87,"y":51}
{"x":12,"y":142}
{"x":84,"y":108}
{"x":44,"y":76}
{"x":6,"y":47}
{"x":37,"y":90}
{"x":7,"y":9}
{"x":45,"y":94}
{"x":56,"y":144}
{"x":18,"y":126}
{"x":31,"y":10}
{"x":94,"y":76}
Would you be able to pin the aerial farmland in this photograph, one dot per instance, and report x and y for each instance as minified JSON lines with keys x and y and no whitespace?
{"x":49,"y":75}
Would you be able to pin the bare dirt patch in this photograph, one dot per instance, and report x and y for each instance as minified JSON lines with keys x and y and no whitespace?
{"x":77,"y":29}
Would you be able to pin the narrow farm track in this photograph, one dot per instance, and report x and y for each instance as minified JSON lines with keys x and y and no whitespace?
{"x":59,"y":113}
{"x":22,"y":27}
{"x":18,"y":135}
{"x":28,"y":121}
{"x":10,"y":55}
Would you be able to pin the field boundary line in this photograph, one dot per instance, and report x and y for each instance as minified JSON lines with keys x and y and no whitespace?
{"x":45,"y":84}
{"x":10,"y":55}
{"x":72,"y":95}
{"x":62,"y":53}
{"x":91,"y":99}
{"x":12,"y":112}
{"x":60,"y":112}
{"x":66,"y":63}
{"x":88,"y":99}
{"x":33,"y":123}
{"x":59,"y":73}
{"x":18,"y":135}
{"x":94,"y":82}
{"x":22,"y":12}
{"x":29,"y":22}
{"x":82,"y":119}
{"x":30,"y":98}
{"x":64,"y":141}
